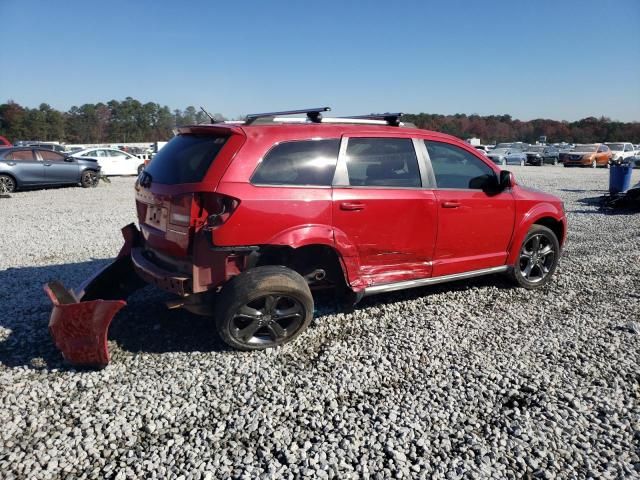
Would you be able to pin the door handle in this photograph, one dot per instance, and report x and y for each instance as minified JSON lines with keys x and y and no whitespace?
{"x":351,"y":206}
{"x":47,"y":164}
{"x":11,"y":164}
{"x":451,"y":204}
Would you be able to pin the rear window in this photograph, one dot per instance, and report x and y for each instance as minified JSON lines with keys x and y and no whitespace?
{"x":185,"y":159}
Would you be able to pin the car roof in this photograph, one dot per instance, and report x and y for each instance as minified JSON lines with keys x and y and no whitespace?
{"x":301,"y":130}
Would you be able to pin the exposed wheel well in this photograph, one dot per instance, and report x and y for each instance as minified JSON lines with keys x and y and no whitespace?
{"x":319,"y":264}
{"x":554,"y":225}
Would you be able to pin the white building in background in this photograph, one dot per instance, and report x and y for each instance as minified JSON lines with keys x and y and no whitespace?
{"x":474,"y":141}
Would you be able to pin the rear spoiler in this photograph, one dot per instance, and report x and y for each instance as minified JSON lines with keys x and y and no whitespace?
{"x":212,"y":129}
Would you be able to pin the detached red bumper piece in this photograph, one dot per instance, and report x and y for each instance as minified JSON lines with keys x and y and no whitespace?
{"x":79,"y":329}
{"x":80,"y":318}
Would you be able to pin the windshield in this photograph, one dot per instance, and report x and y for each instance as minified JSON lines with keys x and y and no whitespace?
{"x":500,"y":151}
{"x":535,"y":149}
{"x":616,"y":147}
{"x":185,"y":159}
{"x":585,"y":148}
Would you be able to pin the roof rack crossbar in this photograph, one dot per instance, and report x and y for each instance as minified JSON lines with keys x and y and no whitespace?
{"x":392,"y":119}
{"x":313,"y":114}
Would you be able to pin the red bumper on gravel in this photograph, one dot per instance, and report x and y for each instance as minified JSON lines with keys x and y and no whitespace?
{"x":79,"y":329}
{"x":80,"y":319}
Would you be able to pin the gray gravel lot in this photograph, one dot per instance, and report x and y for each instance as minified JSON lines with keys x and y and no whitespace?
{"x":468,"y":380}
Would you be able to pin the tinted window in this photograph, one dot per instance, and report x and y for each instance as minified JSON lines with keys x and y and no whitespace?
{"x":50,"y":155}
{"x":92,"y":153}
{"x":456,"y":168}
{"x":309,"y":162}
{"x":387,"y":162}
{"x":185,"y":159}
{"x":115,"y":153}
{"x":21,"y":155}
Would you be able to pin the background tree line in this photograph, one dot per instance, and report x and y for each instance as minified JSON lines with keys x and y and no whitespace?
{"x":111,"y":122}
{"x":132,"y":121}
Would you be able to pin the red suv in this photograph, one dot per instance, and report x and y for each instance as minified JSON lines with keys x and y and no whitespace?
{"x":243,"y":221}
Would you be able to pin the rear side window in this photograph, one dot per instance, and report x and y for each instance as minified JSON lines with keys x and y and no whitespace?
{"x":185,"y":159}
{"x":21,"y":155}
{"x":454,"y":167}
{"x":382,"y":162}
{"x":306,"y":162}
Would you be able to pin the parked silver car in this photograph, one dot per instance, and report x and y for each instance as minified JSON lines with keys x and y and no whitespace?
{"x":507,"y":156}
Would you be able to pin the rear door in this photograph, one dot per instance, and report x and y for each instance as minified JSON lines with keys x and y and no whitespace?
{"x":57,"y":169}
{"x":474,"y":228}
{"x":25,"y":167}
{"x":383,"y":208}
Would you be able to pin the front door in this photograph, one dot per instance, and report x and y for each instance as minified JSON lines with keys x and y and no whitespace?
{"x":382,"y":214}
{"x":57,"y":169}
{"x":474,"y":227}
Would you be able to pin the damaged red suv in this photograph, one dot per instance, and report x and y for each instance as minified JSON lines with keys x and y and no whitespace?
{"x":244,"y":221}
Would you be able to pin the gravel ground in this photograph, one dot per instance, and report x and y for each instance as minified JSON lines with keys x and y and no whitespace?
{"x":468,"y":380}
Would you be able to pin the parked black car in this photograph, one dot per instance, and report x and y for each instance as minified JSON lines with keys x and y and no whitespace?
{"x":28,"y":166}
{"x":541,"y":154}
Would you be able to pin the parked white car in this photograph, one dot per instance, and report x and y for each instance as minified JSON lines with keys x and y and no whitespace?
{"x":622,"y":150}
{"x":113,"y":161}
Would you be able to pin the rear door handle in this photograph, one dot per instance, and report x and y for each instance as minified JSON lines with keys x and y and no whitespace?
{"x":11,"y":164}
{"x":47,"y":164}
{"x":351,"y":206}
{"x":451,"y":204}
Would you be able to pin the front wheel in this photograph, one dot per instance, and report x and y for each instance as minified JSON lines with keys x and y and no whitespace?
{"x":522,"y":163}
{"x":537,"y":259}
{"x":140,"y":168}
{"x":89,"y":179}
{"x":594,"y":163}
{"x":263,"y":307}
{"x":555,"y":161}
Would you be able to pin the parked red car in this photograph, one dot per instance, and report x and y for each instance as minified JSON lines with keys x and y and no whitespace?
{"x":244,"y":221}
{"x":4,"y":143}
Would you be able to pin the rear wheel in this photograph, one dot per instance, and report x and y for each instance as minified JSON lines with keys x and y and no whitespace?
{"x":7,"y":184}
{"x":555,"y":161}
{"x":537,"y":259}
{"x":263,"y":307}
{"x":522,"y":163}
{"x":89,"y":179}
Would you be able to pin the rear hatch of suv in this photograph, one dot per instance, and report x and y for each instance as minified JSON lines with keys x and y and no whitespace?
{"x":175,"y":193}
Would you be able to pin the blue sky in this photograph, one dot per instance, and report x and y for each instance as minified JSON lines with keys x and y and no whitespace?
{"x":562,"y":59}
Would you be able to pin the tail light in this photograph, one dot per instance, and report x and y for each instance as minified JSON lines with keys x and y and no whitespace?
{"x":217,"y":209}
{"x":180,"y":210}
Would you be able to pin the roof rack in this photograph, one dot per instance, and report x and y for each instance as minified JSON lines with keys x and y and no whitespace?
{"x":391,"y":119}
{"x":313,"y":114}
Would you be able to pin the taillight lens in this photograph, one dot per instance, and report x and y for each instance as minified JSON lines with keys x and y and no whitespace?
{"x":180,"y":210}
{"x":218,"y":209}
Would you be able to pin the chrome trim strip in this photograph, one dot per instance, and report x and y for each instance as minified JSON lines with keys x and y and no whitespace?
{"x":392,"y":287}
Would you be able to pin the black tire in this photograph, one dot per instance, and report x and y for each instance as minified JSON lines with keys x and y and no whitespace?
{"x":537,"y":261}
{"x":7,"y":184}
{"x":594,"y":163}
{"x":263,"y":307}
{"x":140,"y":168}
{"x":89,"y":179}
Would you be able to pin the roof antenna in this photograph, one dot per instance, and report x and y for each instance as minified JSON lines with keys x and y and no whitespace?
{"x":208,"y":114}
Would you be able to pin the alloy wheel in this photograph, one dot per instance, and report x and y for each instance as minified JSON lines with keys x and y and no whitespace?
{"x":537,"y":258}
{"x":7,"y":185}
{"x":267,"y":320}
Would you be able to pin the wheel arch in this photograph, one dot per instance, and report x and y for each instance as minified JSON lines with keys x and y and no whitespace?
{"x":544,"y":214}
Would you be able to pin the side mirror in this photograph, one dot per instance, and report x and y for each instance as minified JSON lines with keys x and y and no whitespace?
{"x":505,"y":180}
{"x":69,"y":159}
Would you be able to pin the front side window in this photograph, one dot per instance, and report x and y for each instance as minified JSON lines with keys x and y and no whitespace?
{"x":51,"y":156}
{"x":454,"y":167}
{"x":306,"y":162}
{"x":92,"y":153}
{"x":382,"y":162}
